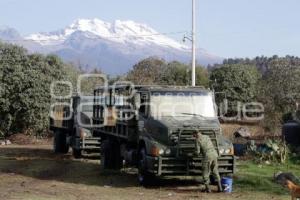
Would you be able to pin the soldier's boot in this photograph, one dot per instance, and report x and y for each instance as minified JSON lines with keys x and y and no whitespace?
{"x":207,"y":189}
{"x":220,"y":188}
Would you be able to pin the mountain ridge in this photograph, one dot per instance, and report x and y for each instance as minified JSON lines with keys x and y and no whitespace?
{"x":112,"y":47}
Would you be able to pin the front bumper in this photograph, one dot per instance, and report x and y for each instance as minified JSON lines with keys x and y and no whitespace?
{"x":87,"y":144}
{"x":187,"y":166}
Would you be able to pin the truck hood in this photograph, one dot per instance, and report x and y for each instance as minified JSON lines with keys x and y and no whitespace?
{"x":189,"y":122}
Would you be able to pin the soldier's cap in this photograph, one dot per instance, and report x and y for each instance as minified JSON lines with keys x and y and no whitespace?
{"x":195,"y":133}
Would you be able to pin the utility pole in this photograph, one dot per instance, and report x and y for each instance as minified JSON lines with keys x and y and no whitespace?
{"x":194,"y":44}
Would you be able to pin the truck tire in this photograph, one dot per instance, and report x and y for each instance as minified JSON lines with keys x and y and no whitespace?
{"x":76,"y":153}
{"x":106,"y":158}
{"x":144,"y":177}
{"x":117,"y":161}
{"x":60,"y":143}
{"x":110,"y":155}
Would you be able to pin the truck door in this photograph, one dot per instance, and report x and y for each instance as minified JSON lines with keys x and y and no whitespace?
{"x":144,"y":122}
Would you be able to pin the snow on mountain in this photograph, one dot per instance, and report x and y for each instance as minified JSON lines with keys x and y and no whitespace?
{"x":112,"y":47}
{"x":119,"y":31}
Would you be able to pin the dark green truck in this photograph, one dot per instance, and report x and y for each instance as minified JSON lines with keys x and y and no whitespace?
{"x":151,"y":127}
{"x":70,"y":122}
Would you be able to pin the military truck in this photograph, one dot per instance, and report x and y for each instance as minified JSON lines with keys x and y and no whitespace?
{"x":151,"y":127}
{"x":70,"y":121}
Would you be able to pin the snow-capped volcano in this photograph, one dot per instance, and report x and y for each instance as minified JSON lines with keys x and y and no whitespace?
{"x":118,"y":31}
{"x":111,"y":47}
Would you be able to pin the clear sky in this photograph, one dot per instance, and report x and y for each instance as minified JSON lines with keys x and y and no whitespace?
{"x":227,"y":28}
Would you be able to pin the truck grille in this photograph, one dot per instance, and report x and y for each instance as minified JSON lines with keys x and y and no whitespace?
{"x":187,"y":144}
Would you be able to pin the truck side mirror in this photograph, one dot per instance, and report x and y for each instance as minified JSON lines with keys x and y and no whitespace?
{"x":137,"y":101}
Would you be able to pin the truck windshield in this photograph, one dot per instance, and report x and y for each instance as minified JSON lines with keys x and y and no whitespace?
{"x":171,"y":104}
{"x":86,"y":104}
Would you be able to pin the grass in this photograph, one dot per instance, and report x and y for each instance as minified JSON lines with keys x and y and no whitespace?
{"x":259,"y":178}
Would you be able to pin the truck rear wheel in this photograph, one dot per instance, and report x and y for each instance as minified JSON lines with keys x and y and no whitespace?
{"x":110,"y":155}
{"x":60,"y":143}
{"x":106,"y":160}
{"x":117,"y":159}
{"x":144,"y":177}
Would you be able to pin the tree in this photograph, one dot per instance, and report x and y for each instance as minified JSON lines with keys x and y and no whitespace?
{"x":12,"y":59}
{"x":202,"y":76}
{"x":153,"y":71}
{"x":239,"y":82}
{"x":89,"y":84}
{"x":279,"y":90}
{"x":25,"y":88}
{"x":147,"y":71}
{"x":177,"y":73}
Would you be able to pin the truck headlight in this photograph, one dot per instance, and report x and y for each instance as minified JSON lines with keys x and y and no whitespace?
{"x":161,"y":152}
{"x":155,"y":151}
{"x":84,"y":133}
{"x":168,"y":151}
{"x":221,"y":151}
{"x":231,"y":151}
{"x":226,"y":151}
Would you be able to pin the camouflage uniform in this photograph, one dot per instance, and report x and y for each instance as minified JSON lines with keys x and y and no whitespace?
{"x":210,"y":158}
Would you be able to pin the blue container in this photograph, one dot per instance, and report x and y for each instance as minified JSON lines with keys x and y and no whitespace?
{"x":239,"y":149}
{"x":227,"y":184}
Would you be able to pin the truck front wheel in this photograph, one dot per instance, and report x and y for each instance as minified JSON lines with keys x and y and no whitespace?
{"x":60,"y":143}
{"x":76,"y":153}
{"x":144,"y":177}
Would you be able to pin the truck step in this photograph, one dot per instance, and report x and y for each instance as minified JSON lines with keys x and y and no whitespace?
{"x":91,"y":148}
{"x":90,"y":142}
{"x":92,"y":138}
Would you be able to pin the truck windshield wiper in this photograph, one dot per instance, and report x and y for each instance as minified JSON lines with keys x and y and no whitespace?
{"x":194,"y":115}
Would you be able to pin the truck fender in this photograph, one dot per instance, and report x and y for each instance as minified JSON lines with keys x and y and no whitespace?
{"x":147,"y":143}
{"x":77,"y":131}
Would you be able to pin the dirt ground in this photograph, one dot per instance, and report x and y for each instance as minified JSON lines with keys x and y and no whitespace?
{"x":34,"y":172}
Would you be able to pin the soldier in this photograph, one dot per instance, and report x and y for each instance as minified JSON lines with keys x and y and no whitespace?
{"x":210,"y":160}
